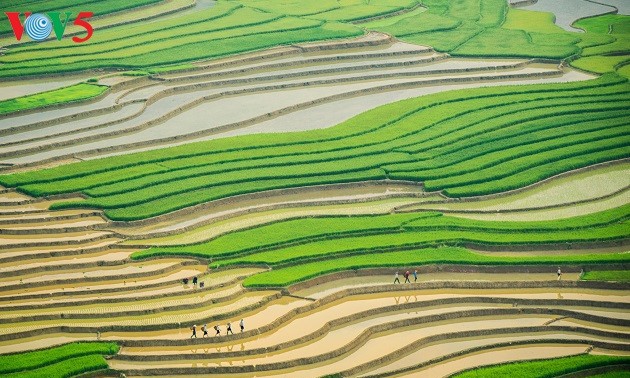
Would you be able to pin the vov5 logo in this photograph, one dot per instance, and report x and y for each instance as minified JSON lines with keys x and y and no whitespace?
{"x":39,"y":26}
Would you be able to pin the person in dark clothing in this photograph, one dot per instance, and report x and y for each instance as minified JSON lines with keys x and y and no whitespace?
{"x":194,"y":281}
{"x":194,"y":331}
{"x":216,"y":328}
{"x":407,"y":277}
{"x":229,"y":329}
{"x":205,"y":330}
{"x":242,"y":324}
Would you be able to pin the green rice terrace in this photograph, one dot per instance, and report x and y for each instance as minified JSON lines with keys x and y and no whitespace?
{"x":360,"y":188}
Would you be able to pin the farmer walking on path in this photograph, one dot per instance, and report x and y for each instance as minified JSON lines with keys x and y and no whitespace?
{"x":242,"y":324}
{"x":396,"y":278}
{"x":204,"y":328}
{"x":407,"y":277}
{"x":216,"y":328}
{"x":559,"y":273}
{"x":229,"y":329}
{"x":194,"y":331}
{"x":415,"y":275}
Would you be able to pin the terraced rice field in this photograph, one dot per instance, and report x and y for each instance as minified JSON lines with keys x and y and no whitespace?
{"x":293,"y":158}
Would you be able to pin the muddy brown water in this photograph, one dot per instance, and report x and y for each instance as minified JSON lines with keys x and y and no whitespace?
{"x":315,"y":319}
{"x":325,"y":289}
{"x":339,"y":337}
{"x":445,"y":369}
{"x":192,"y":298}
{"x":73,"y":249}
{"x":559,"y":212}
{"x":168,"y":317}
{"x":39,"y":342}
{"x":131,"y":292}
{"x":436,"y":350}
{"x":108,"y":256}
{"x":253,"y":319}
{"x":17,"y":240}
{"x":105,"y":272}
{"x":119,"y":283}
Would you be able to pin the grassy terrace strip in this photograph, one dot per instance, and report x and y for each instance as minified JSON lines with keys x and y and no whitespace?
{"x":611,"y":275}
{"x":288,"y":275}
{"x":484,"y":28}
{"x":544,"y":368}
{"x":454,"y":141}
{"x":441,"y":230}
{"x":464,"y":28}
{"x":64,"y":356}
{"x":65,"y":95}
{"x":328,"y":9}
{"x":235,"y":27}
{"x":288,"y":232}
{"x":288,"y":239}
{"x":99,"y":8}
{"x":64,"y":369}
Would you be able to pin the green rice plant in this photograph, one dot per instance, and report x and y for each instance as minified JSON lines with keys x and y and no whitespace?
{"x":356,"y":12}
{"x":214,"y":14}
{"x":619,"y":47}
{"x":432,"y":234}
{"x":284,"y":31}
{"x":546,"y":368}
{"x":590,"y":40}
{"x":445,"y":40}
{"x":563,"y":161}
{"x":389,"y":21}
{"x":320,"y":231}
{"x":531,"y":21}
{"x":99,"y":8}
{"x":127,"y":196}
{"x":20,"y":362}
{"x":238,"y":22}
{"x":378,"y":120}
{"x":77,"y":92}
{"x":291,"y":7}
{"x":508,"y":148}
{"x":462,"y":9}
{"x":554,"y":39}
{"x":120,"y":50}
{"x":178,"y":67}
{"x":609,"y":275}
{"x":318,"y":8}
{"x":285,"y":276}
{"x":280,"y":32}
{"x":601,"y":64}
{"x":492,"y":13}
{"x":421,"y":23}
{"x":613,"y":23}
{"x":147,"y":175}
{"x":431,"y":128}
{"x":624,"y":71}
{"x":64,"y":369}
{"x":425,"y":231}
{"x":512,"y":43}
{"x":283,"y":233}
{"x":175,"y":202}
